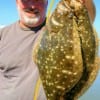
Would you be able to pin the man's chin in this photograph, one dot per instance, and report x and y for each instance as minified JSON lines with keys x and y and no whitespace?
{"x":32,"y":23}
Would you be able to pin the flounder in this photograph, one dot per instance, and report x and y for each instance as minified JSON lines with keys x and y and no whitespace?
{"x":65,"y":53}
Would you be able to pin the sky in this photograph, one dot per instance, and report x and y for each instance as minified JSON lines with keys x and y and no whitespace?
{"x":9,"y":15}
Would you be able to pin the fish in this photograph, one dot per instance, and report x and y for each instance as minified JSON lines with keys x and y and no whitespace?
{"x":66,"y":52}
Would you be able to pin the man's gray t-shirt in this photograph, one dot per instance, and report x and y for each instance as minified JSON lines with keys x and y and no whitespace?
{"x":18,"y":73}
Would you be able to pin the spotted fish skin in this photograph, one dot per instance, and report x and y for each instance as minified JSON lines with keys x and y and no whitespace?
{"x":65,"y":53}
{"x":88,"y":49}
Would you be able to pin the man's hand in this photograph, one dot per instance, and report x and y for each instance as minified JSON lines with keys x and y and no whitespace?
{"x":91,"y":8}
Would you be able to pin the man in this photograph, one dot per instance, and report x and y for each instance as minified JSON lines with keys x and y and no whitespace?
{"x":32,"y":12}
{"x":18,"y":73}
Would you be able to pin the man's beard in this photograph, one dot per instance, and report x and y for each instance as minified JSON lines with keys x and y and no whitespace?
{"x":29,"y":21}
